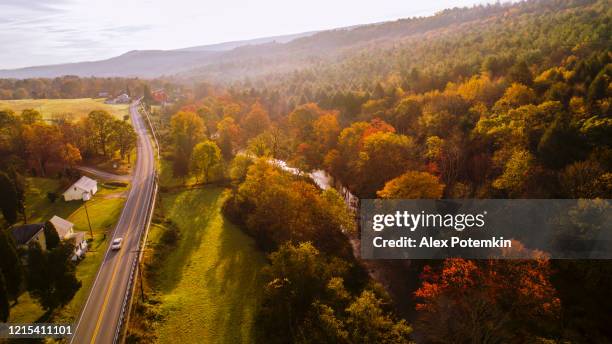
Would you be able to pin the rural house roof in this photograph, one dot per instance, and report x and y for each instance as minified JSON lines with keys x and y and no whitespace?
{"x":24,"y":233}
{"x":62,"y":226}
{"x":84,"y":183}
{"x":78,"y":237}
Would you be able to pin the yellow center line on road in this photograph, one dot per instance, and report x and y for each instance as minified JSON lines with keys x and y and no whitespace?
{"x":101,"y":314}
{"x":105,"y":303}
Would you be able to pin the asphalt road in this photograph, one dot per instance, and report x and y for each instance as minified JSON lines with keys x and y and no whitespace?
{"x":99,"y":318}
{"x":103,"y":174}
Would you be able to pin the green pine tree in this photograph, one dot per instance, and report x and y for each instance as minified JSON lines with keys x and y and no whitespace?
{"x":10,"y":264}
{"x":4,"y":300}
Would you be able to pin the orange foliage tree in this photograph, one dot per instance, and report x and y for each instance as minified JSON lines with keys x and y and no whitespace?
{"x":476,"y":301}
{"x":256,"y":121}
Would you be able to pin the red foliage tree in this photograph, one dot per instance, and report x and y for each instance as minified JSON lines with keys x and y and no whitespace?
{"x":476,"y":301}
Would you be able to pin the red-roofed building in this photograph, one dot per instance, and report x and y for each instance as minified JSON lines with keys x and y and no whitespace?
{"x":159,"y":96}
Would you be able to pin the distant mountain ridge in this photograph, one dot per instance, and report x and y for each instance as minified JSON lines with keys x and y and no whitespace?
{"x":256,"y":41}
{"x":239,"y":59}
{"x":143,"y":63}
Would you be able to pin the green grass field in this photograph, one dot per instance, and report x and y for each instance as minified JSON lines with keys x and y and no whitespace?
{"x":101,"y":208}
{"x":76,"y":108}
{"x":104,"y":212}
{"x":38,"y":206}
{"x":166,"y":178}
{"x":210,"y":283}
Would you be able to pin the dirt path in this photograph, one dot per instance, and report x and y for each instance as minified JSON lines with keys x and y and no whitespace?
{"x":104,"y":175}
{"x":122,"y":194}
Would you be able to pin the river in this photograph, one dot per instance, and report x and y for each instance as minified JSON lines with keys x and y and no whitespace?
{"x":391,"y":274}
{"x":324,"y":181}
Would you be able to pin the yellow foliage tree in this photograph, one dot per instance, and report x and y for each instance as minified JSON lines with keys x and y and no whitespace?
{"x":413,"y":185}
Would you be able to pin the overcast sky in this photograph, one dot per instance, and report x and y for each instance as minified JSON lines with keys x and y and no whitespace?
{"x":40,"y":32}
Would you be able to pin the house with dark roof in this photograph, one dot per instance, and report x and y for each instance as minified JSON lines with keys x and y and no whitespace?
{"x":26,"y":235}
{"x":30,"y":234}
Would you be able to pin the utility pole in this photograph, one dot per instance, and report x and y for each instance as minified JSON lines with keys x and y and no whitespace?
{"x":142,"y":293}
{"x":87,"y":197}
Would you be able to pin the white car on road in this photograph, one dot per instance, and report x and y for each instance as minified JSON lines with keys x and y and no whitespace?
{"x":116,"y":244}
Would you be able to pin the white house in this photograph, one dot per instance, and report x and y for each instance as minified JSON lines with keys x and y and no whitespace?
{"x":82,"y":186}
{"x":65,"y":230}
{"x":123,"y":98}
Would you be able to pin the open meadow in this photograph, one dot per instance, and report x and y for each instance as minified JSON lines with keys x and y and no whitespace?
{"x":71,"y":109}
{"x":209,"y":282}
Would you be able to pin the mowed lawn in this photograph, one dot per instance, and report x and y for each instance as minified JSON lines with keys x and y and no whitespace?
{"x":210,"y":284}
{"x":104,"y":211}
{"x":76,"y":108}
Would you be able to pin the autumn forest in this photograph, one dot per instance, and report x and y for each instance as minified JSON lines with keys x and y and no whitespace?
{"x":488,"y":102}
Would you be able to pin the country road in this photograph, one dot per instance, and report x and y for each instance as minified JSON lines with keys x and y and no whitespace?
{"x":103,"y":174}
{"x":100,"y":316}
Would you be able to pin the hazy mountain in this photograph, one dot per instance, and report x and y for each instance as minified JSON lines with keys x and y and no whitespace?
{"x":235,"y":44}
{"x":145,"y":63}
{"x":233,"y":60}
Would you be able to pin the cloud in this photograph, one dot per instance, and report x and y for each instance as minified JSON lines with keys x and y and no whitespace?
{"x":129,"y":28}
{"x":35,"y":5}
{"x":34,"y":32}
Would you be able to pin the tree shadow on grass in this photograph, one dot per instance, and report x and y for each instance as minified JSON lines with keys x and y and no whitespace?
{"x":39,"y":208}
{"x":237,"y":281}
{"x":44,"y":318}
{"x":216,"y":266}
{"x":190,"y":211}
